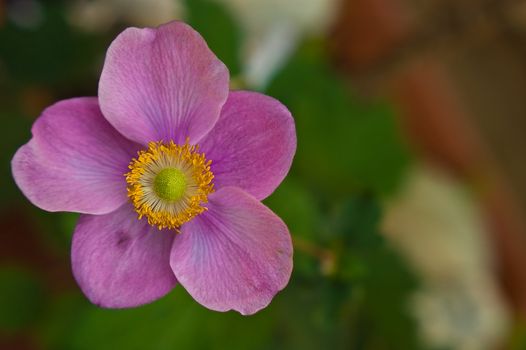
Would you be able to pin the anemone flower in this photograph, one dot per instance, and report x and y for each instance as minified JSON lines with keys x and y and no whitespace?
{"x":167,"y":167}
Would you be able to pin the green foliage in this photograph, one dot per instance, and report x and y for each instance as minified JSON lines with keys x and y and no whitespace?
{"x":298,"y":206}
{"x":300,"y":210}
{"x":344,"y":144}
{"x":52,"y":53}
{"x":221,"y":33}
{"x":62,"y":317}
{"x":18,"y":134}
{"x":378,"y":281}
{"x":175,"y":321}
{"x":21,"y":299}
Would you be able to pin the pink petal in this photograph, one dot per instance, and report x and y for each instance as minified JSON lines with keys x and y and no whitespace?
{"x":162,"y":84}
{"x":120,"y":261}
{"x":252,"y":145}
{"x":235,"y":256}
{"x":75,"y":161}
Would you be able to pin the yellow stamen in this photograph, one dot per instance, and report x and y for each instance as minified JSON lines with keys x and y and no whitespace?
{"x":169,"y":164}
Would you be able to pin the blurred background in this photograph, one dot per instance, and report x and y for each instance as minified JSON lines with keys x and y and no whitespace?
{"x":406,"y":200}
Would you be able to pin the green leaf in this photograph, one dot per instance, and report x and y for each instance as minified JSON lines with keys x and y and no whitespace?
{"x":175,"y":321}
{"x":381,"y":282}
{"x":344,"y":143}
{"x":298,"y":207}
{"x":219,"y":30}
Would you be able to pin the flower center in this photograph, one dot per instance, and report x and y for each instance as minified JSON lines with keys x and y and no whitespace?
{"x":169,"y":183}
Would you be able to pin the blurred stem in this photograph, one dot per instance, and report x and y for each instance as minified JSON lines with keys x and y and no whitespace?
{"x":326,"y":257}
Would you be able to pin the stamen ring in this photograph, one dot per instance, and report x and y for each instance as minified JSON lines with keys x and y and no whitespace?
{"x":169,"y":183}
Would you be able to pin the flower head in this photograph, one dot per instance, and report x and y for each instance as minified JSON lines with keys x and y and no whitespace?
{"x":169,"y":183}
{"x":167,"y":167}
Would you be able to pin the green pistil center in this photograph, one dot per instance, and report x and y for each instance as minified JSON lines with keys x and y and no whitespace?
{"x":170,"y":184}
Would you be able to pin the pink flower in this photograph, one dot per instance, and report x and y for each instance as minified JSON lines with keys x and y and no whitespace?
{"x":167,"y":168}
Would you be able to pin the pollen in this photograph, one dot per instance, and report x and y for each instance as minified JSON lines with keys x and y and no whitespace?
{"x":169,"y":184}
